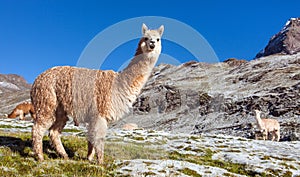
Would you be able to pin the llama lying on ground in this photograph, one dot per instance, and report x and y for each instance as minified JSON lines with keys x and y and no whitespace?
{"x":130,"y":126}
{"x":93,"y":97}
{"x":22,"y":110}
{"x":267,"y":126}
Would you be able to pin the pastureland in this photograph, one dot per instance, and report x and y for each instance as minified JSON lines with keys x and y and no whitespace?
{"x":146,"y":152}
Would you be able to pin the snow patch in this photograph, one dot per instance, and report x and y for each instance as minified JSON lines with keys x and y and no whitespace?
{"x":256,"y":155}
{"x":140,"y":167}
{"x":9,"y":85}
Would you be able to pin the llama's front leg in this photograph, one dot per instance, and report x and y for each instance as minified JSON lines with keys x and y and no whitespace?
{"x":265,"y":134}
{"x":96,"y":136}
{"x":22,"y":115}
{"x":91,"y":151}
{"x":277,"y":135}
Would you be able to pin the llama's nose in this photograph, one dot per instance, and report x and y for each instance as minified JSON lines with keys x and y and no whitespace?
{"x":152,"y":44}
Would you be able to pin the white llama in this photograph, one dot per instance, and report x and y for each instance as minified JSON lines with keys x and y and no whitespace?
{"x":267,"y":126}
{"x":91,"y":97}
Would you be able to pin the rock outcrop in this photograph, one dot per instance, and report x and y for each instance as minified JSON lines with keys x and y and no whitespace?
{"x":220,"y":98}
{"x":287,"y":41}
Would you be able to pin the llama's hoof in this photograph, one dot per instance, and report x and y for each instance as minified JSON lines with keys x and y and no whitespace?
{"x":90,"y":159}
{"x":40,"y":158}
{"x":100,"y":162}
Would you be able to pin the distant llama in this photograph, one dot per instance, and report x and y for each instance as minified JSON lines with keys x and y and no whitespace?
{"x":22,"y":110}
{"x":130,"y":126}
{"x":92,"y":97}
{"x":267,"y":126}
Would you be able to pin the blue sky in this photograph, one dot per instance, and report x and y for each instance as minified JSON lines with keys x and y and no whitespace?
{"x":37,"y":35}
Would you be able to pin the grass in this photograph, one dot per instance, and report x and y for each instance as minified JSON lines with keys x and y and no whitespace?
{"x":10,"y":126}
{"x":206,"y":159}
{"x":71,"y":130}
{"x":19,"y":166}
{"x":17,"y":157}
{"x":190,"y":172}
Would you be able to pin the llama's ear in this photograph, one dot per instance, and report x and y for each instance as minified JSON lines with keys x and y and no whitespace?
{"x":144,"y":28}
{"x":161,"y":30}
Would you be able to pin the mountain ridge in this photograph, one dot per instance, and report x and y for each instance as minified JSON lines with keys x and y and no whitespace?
{"x":286,"y":41}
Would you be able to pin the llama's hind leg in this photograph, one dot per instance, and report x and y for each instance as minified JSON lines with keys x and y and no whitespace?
{"x":96,"y":138}
{"x":38,"y":130}
{"x":55,"y":131}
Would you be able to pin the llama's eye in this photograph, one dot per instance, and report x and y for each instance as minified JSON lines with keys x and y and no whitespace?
{"x":157,"y":39}
{"x":146,"y":39}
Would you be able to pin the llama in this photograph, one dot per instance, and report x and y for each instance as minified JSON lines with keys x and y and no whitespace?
{"x":130,"y":126}
{"x":22,"y":110}
{"x":267,"y":126}
{"x":91,"y":97}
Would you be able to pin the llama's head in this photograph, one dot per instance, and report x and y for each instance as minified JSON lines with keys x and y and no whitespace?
{"x":257,"y":112}
{"x":151,"y":40}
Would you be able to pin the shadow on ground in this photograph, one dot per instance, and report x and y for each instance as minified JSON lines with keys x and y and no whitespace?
{"x":22,"y":147}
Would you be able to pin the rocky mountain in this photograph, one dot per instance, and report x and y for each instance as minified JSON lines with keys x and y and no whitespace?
{"x":220,"y":98}
{"x":287,"y":41}
{"x":12,"y":82}
{"x":14,"y":89}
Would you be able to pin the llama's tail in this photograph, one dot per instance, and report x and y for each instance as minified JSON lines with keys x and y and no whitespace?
{"x":31,"y":111}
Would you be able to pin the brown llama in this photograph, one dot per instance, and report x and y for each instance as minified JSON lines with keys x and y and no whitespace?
{"x":92,"y":97}
{"x":267,"y":126}
{"x":22,"y":110}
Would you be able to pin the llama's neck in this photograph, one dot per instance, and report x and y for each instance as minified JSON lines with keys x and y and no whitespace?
{"x":259,"y":121}
{"x":136,"y":74}
{"x":12,"y":115}
{"x":128,"y":84}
